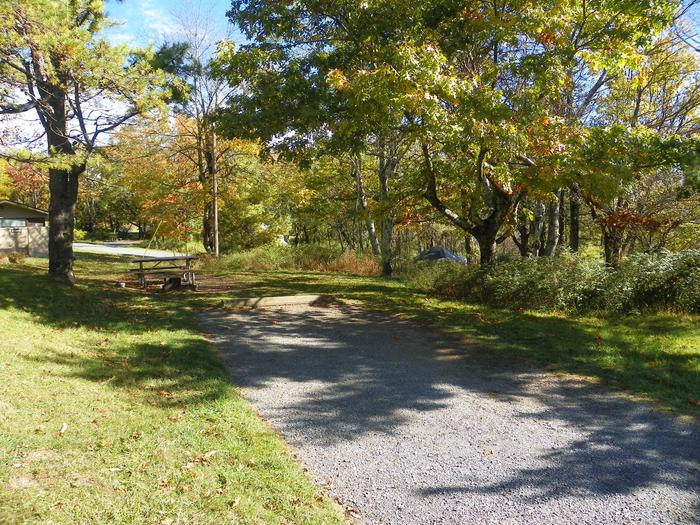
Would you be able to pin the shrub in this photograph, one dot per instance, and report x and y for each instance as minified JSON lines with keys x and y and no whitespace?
{"x":668,"y":281}
{"x":310,"y":257}
{"x":661,"y":281}
{"x":16,"y":257}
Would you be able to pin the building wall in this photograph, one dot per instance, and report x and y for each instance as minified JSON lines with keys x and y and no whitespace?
{"x":33,"y":240}
{"x":14,"y":240}
{"x":38,"y":245}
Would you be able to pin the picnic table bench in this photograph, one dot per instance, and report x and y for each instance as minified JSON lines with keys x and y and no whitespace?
{"x":166,"y":266}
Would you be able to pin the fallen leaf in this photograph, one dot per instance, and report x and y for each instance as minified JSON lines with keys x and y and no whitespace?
{"x":487,"y":452}
{"x":207,"y":456}
{"x":164,"y":484}
{"x":166,"y":394}
{"x":104,"y":343}
{"x":58,"y":505}
{"x":63,"y":429}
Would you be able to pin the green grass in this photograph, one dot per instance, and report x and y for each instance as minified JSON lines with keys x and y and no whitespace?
{"x":154,"y":433}
{"x":655,"y":357}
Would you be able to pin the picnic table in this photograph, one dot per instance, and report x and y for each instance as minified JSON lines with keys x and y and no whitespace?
{"x":166,"y":266}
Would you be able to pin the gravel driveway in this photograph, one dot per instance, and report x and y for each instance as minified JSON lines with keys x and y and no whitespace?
{"x":412,"y":427}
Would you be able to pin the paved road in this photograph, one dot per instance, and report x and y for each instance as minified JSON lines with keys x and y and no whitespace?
{"x":120,"y":248}
{"x":411,"y":427}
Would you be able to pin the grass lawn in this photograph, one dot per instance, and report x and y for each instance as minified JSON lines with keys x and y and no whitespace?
{"x":113,"y":409}
{"x":655,"y":357}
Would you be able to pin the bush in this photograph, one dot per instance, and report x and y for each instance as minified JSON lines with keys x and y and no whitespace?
{"x":310,"y":257}
{"x":668,"y":281}
{"x":16,"y":257}
{"x":665,"y":281}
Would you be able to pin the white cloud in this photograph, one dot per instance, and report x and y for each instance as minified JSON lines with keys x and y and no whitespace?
{"x":155,"y":19}
{"x":122,"y":38}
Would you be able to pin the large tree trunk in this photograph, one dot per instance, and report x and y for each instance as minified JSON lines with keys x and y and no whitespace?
{"x":487,"y":248}
{"x":63,"y":190}
{"x":63,"y":187}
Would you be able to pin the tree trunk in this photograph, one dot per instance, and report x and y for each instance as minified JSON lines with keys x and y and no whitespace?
{"x":574,"y":218}
{"x":63,"y":187}
{"x":386,"y":240}
{"x":552,"y":226}
{"x":538,"y":229}
{"x":63,"y":190}
{"x":562,"y":220}
{"x":362,"y":204}
{"x":487,"y":246}
{"x":210,"y":159}
{"x":523,"y":243}
{"x":613,"y":246}
{"x":207,"y":234}
{"x":468,"y":249}
{"x":388,"y":164}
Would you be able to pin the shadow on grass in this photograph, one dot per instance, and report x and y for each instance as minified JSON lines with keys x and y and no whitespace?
{"x":362,"y":373}
{"x":148,"y":345}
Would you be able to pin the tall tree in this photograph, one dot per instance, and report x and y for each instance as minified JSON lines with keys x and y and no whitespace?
{"x":477,"y":85}
{"x":191,"y":59}
{"x":55,"y":61}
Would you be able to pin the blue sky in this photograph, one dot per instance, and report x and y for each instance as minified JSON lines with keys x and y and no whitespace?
{"x":144,"y":21}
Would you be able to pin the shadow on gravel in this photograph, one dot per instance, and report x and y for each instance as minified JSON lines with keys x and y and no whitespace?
{"x":368,"y":373}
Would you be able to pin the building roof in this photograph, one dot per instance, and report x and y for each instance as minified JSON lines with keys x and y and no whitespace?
{"x":24,"y":207}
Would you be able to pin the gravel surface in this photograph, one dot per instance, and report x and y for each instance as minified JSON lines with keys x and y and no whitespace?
{"x":411,"y":427}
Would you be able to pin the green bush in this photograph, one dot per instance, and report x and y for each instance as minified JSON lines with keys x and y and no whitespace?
{"x":667,"y":281}
{"x":309,"y":257}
